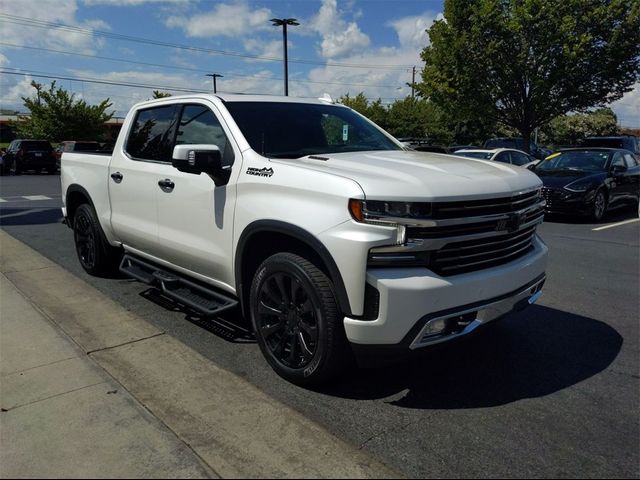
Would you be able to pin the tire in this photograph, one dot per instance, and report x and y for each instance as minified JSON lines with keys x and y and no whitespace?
{"x":296,"y":320}
{"x":95,"y":254}
{"x":599,"y":206}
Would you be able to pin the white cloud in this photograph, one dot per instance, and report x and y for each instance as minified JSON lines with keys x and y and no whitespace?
{"x":225,"y":19}
{"x":4,"y":61}
{"x":628,"y":108}
{"x":412,"y":30}
{"x":13,"y":88}
{"x":272,"y":49}
{"x":339,"y":37}
{"x":128,"y":3}
{"x":57,"y":11}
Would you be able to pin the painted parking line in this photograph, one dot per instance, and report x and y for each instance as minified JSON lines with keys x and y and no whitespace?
{"x":633,"y":220}
{"x":36,"y":197}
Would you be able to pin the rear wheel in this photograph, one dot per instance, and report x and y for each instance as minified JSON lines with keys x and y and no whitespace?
{"x":297,"y":321}
{"x":95,"y":254}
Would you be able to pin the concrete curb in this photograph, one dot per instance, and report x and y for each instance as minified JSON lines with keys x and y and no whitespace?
{"x":234,"y":428}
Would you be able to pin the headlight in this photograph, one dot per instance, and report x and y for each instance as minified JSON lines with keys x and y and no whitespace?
{"x":580,"y":185}
{"x":380,"y":212}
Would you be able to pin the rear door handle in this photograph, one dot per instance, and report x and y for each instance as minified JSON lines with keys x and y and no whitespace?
{"x":117,"y":177}
{"x":166,"y":185}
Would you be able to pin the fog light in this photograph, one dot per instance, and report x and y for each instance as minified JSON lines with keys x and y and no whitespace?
{"x":435,"y":327}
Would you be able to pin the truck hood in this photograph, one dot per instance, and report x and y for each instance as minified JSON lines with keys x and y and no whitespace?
{"x":422,"y":176}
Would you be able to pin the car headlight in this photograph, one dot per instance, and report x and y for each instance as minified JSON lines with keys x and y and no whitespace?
{"x":380,"y":212}
{"x":579,"y":185}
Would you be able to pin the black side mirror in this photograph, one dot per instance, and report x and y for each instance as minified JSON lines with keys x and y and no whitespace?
{"x":618,"y":170}
{"x":197,"y":159}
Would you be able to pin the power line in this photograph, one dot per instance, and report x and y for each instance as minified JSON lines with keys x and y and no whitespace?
{"x":54,"y":76}
{"x":24,"y":21}
{"x":188,"y":69}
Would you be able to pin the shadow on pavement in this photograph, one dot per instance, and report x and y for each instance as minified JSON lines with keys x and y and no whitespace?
{"x":531,"y":354}
{"x":29,"y":216}
{"x":618,"y":215}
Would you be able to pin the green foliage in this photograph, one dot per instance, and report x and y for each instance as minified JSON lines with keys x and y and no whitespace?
{"x":160,"y":94}
{"x":571,"y":129}
{"x":524,"y":62}
{"x":56,"y":115}
{"x":408,"y":117}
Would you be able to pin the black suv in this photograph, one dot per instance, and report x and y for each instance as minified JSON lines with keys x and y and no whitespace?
{"x":517,"y":143}
{"x":23,"y":155}
{"x":626,"y":142}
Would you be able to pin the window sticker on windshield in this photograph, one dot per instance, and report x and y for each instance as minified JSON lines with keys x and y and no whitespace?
{"x":553,"y":156}
{"x":345,"y":133}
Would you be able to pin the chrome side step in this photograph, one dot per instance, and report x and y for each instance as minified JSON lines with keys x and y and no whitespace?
{"x":202,"y":299}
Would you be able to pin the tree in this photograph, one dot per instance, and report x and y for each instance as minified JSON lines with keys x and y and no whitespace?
{"x":160,"y":94}
{"x":374,"y":111}
{"x":524,"y":62}
{"x":571,"y":129}
{"x":56,"y":115}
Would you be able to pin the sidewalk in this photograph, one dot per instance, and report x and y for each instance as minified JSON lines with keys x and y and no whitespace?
{"x":90,"y":390}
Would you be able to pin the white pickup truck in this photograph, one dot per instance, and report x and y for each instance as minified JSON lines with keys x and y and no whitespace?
{"x":331,"y":236}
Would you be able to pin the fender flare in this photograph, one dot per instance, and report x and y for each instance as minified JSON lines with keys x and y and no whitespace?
{"x":299,"y":234}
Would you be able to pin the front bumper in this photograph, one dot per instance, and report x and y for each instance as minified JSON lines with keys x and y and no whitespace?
{"x":561,"y":201}
{"x":412,"y":299}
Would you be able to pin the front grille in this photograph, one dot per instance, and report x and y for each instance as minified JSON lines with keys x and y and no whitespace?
{"x":551,"y":195}
{"x":471,"y":255}
{"x":476,"y":208}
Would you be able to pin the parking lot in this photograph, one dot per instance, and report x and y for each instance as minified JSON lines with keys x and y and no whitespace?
{"x":549,"y":392}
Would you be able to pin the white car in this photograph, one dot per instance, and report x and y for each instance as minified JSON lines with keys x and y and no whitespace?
{"x":503,"y":155}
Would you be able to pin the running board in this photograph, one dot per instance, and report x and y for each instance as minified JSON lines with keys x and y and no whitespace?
{"x":203,"y":300}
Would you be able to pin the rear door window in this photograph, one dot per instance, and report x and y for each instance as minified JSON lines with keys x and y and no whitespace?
{"x":519,"y":159}
{"x":152,"y":134}
{"x":503,"y":157}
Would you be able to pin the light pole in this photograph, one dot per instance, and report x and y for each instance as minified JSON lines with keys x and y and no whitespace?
{"x":284,"y":22}
{"x":214,"y":76}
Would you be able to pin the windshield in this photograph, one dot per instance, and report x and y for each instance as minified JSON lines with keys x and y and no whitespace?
{"x":480,"y":155}
{"x":578,"y":160}
{"x":36,"y":145}
{"x":294,"y":130}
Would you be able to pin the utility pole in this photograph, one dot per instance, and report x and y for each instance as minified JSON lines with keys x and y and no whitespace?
{"x":413,"y":82}
{"x":214,"y":76}
{"x":284,"y":22}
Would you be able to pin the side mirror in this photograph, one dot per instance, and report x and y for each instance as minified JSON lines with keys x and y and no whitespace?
{"x":197,"y":159}
{"x":618,"y":170}
{"x":531,"y":166}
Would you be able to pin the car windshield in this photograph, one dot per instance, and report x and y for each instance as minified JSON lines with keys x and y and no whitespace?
{"x":36,"y":145}
{"x":580,"y":160}
{"x":480,"y":155}
{"x":294,"y":130}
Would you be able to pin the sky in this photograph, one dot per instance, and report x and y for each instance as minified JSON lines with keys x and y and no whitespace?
{"x":133,"y":47}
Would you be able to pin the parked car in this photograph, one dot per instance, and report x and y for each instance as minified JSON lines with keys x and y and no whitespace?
{"x":503,"y":155}
{"x":431,"y":148}
{"x":627,"y":142}
{"x":455,"y":148}
{"x":75,"y":146}
{"x":23,"y":155}
{"x":330,"y":236}
{"x":589,"y":181}
{"x":517,"y":143}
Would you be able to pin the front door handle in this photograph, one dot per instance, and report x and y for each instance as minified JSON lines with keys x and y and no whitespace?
{"x":166,"y":185}
{"x":117,"y":177}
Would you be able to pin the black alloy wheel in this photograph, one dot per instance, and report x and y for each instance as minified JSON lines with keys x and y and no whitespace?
{"x":599,"y":205}
{"x":296,"y":320}
{"x":94,"y":253}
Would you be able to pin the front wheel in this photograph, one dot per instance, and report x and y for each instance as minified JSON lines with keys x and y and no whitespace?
{"x":599,"y":205}
{"x":95,"y":254}
{"x":297,"y":321}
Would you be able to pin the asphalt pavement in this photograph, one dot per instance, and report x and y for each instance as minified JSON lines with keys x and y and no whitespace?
{"x":548,"y":392}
